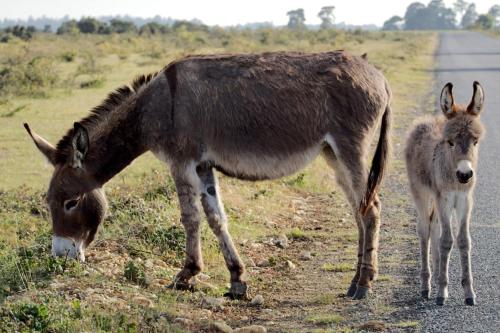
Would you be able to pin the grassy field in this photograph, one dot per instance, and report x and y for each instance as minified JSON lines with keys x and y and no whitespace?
{"x":51,"y":81}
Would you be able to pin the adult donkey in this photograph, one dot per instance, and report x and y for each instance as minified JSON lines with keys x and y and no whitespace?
{"x":441,"y":155}
{"x":249,"y":116}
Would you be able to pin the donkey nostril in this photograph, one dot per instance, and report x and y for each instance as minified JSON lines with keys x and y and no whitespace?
{"x":464,"y":177}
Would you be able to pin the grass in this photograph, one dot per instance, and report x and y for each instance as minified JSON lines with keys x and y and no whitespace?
{"x":139,"y":248}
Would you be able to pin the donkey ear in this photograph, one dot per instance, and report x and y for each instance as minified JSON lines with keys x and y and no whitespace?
{"x":80,"y":145}
{"x":43,"y":145}
{"x":476,"y":104}
{"x":447,"y":100}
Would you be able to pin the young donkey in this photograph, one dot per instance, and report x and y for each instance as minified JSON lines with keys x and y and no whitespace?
{"x":249,"y":116}
{"x":441,"y":158}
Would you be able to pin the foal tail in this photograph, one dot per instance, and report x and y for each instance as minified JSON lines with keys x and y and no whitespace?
{"x":379,"y":162}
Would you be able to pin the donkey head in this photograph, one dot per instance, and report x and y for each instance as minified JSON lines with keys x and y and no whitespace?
{"x":76,"y":201}
{"x":462,"y":131}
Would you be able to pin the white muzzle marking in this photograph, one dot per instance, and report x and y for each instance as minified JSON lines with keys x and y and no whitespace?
{"x":464,"y":167}
{"x":62,"y":246}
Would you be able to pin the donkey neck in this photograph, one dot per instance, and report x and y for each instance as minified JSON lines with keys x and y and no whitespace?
{"x":115,"y":142}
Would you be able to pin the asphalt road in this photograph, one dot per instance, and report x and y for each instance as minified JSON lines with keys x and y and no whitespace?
{"x":463,"y":57}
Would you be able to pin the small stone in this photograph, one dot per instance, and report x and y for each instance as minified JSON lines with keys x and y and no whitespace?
{"x":220,"y":327}
{"x":183,"y":321}
{"x":257,"y":300}
{"x":148,"y":263}
{"x":281,"y":242}
{"x":213,"y":303}
{"x":203,"y":277}
{"x":317,"y":243}
{"x":263,"y":263}
{"x":250,"y":263}
{"x":290,"y":265}
{"x":305,"y":255}
{"x":251,"y":329}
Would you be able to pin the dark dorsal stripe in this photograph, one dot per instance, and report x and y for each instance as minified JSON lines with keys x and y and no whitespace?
{"x":171,"y":74}
{"x":111,"y":103}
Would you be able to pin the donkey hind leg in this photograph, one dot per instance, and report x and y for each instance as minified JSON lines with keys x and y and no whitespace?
{"x":424,"y":220}
{"x":444,"y":204}
{"x":463,"y":210}
{"x":344,"y":177}
{"x":188,"y":191}
{"x":214,"y":210}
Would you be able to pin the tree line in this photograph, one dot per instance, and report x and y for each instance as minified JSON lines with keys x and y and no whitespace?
{"x":436,"y":16}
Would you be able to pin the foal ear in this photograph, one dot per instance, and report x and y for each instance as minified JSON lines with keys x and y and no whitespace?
{"x":447,"y":100}
{"x":476,"y":104}
{"x":80,"y":145}
{"x":43,"y":145}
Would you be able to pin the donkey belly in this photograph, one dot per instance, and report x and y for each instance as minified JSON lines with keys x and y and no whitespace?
{"x":250,"y":166}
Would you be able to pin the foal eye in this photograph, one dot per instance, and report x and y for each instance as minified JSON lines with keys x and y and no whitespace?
{"x":451,"y":143}
{"x":70,"y":204}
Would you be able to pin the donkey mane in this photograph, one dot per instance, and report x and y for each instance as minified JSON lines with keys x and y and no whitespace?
{"x":110,"y":104}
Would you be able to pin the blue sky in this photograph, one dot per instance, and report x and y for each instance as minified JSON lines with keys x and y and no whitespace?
{"x":217,"y":12}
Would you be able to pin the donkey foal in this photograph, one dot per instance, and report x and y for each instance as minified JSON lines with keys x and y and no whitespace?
{"x":441,"y":158}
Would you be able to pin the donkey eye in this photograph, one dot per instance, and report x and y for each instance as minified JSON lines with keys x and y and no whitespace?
{"x":70,"y":204}
{"x":451,"y":143}
{"x":475,"y":142}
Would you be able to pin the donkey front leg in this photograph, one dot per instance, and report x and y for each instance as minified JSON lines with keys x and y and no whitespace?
{"x":463,"y":210}
{"x":188,"y":190}
{"x":444,"y":207}
{"x":214,"y":210}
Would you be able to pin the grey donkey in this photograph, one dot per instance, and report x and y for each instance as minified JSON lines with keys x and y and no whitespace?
{"x":441,"y":160}
{"x":253,"y":116}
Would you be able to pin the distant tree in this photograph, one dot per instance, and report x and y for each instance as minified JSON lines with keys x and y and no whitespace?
{"x":189,"y":25}
{"x":485,"y":22}
{"x":68,"y":27}
{"x":394,"y":23}
{"x":296,"y":19}
{"x":47,"y":28}
{"x":470,"y":16}
{"x":120,"y":26}
{"x":153,"y":28}
{"x":89,"y":25}
{"x":22,"y":32}
{"x":494,"y":12}
{"x":414,"y":13}
{"x":433,"y":16}
{"x":327,"y":17}
{"x":459,"y":7}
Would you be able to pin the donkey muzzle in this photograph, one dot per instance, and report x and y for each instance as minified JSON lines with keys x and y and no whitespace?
{"x":464,"y":177}
{"x":464,"y":171}
{"x":66,"y":247}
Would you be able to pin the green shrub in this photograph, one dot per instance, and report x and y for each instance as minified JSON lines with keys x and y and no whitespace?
{"x":134,"y":272}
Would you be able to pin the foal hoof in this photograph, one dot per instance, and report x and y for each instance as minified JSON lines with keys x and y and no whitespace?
{"x":426,"y":294}
{"x":352,"y":290}
{"x":238,"y":290}
{"x":182,"y":285}
{"x":470,"y":301}
{"x":360,"y":293}
{"x":440,"y":301}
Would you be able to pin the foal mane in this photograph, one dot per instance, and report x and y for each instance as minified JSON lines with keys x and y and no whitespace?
{"x":110,"y":104}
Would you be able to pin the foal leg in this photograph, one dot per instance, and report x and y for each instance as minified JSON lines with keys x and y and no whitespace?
{"x":463,"y":210}
{"x":214,"y":210}
{"x":445,"y":203}
{"x":423,"y":229}
{"x":188,"y":190}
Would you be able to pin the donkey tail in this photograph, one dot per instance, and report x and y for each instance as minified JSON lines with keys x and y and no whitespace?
{"x":379,"y":162}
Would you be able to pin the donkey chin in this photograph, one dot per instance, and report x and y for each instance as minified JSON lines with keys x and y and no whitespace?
{"x":465,"y":171}
{"x":66,"y":247}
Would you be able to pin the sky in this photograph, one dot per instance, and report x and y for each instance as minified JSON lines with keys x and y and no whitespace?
{"x":218,"y":12}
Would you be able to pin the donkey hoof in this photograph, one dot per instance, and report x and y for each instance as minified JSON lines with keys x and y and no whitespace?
{"x":361,"y":292}
{"x":352,"y":290}
{"x":470,"y":301}
{"x":426,"y":294}
{"x":182,"y":285}
{"x":440,"y":301}
{"x":238,"y":290}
